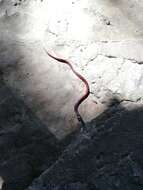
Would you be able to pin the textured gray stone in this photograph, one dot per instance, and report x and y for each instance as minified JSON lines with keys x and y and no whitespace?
{"x":107,"y":155}
{"x":27,"y":148}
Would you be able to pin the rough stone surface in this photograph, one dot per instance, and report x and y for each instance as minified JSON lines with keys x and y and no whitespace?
{"x":107,"y":155}
{"x":27,"y":148}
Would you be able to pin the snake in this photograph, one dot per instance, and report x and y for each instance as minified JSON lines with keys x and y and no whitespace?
{"x":87,"y":88}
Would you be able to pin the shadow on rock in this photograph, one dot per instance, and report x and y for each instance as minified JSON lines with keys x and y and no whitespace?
{"x":106,"y":155}
{"x":27,"y":148}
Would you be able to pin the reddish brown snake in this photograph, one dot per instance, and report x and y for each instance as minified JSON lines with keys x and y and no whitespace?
{"x":87,"y":90}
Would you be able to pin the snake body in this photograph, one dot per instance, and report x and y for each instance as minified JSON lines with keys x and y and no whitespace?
{"x":87,"y":89}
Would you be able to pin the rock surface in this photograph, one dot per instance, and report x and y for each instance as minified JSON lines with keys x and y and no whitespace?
{"x":27,"y":148}
{"x":107,"y":155}
{"x":104,"y":41}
